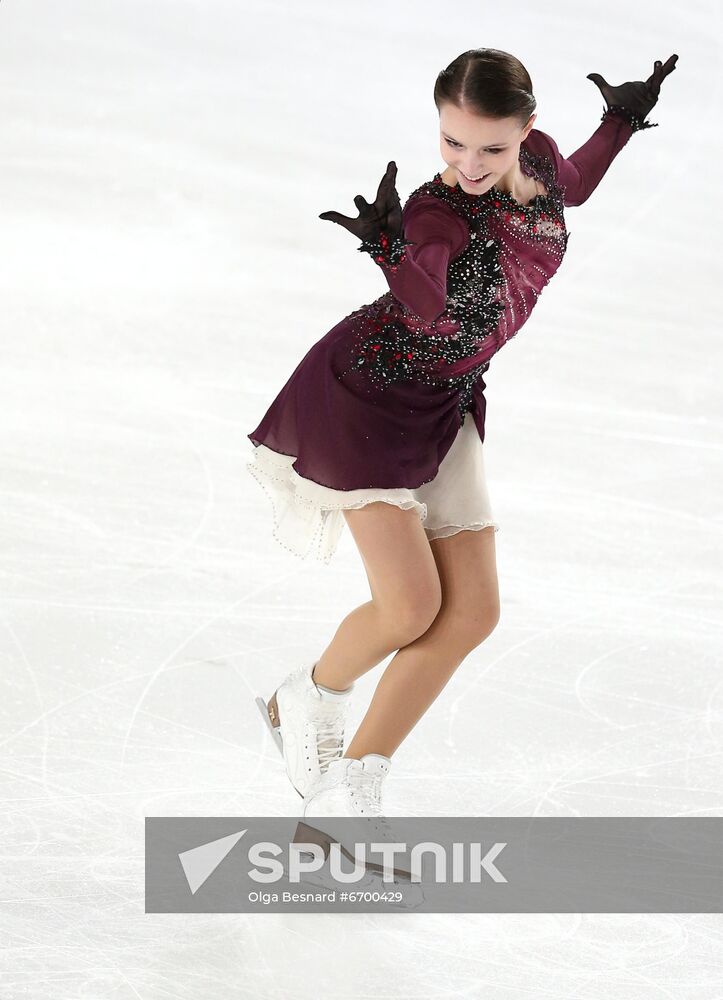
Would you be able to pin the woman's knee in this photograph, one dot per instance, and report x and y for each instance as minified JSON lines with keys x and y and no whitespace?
{"x":488,"y":621}
{"x":483,"y":625}
{"x":400,"y":567}
{"x":470,"y":629}
{"x":411,"y":612}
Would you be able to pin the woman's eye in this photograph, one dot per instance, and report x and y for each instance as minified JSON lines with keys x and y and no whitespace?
{"x":455,"y":145}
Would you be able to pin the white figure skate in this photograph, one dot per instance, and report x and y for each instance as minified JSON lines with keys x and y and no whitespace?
{"x":351,"y":789}
{"x":307,"y":725}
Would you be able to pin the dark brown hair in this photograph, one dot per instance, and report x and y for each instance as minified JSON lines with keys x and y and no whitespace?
{"x":487,"y":82}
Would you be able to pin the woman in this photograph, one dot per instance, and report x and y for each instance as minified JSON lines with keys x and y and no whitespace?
{"x":381,"y":424}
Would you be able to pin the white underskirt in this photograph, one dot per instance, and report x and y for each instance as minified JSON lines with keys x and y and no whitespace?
{"x":305,"y":512}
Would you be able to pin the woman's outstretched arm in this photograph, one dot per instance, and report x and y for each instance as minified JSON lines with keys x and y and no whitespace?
{"x":417,"y":274}
{"x":627,"y":106}
{"x":413,"y":246}
{"x":581,"y":172}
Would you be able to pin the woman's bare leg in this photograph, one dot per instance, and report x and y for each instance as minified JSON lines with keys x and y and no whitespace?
{"x":405,"y":587}
{"x":466,"y":562}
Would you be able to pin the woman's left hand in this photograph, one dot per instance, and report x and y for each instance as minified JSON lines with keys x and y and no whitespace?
{"x":637,"y":96}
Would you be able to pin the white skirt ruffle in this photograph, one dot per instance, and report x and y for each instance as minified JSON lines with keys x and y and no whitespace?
{"x":305,"y":512}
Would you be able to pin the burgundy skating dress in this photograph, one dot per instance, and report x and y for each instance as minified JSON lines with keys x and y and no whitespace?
{"x":375,"y":405}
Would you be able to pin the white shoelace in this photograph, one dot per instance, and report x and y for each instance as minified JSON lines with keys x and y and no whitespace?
{"x":370,"y":786}
{"x":328,"y":722}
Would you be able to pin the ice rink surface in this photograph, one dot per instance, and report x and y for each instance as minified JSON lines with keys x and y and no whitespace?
{"x":164,"y":269}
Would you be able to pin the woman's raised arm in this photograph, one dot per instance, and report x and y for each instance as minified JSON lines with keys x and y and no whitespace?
{"x":412,"y":246}
{"x":418,"y":278}
{"x":628,"y":104}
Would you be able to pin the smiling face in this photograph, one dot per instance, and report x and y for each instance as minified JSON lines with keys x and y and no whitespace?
{"x":474,"y":146}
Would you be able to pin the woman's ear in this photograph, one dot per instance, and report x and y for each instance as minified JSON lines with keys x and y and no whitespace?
{"x":528,"y":126}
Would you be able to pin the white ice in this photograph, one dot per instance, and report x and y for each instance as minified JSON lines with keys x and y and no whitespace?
{"x":163,"y":271}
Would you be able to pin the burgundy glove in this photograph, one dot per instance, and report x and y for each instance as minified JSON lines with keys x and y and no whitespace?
{"x":637,"y":97}
{"x":379,"y":225}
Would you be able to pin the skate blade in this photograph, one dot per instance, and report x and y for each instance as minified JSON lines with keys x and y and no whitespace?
{"x":277,"y":738}
{"x":315,"y":834}
{"x":274,"y":730}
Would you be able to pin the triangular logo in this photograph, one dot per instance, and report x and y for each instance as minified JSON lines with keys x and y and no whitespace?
{"x":201,"y":862}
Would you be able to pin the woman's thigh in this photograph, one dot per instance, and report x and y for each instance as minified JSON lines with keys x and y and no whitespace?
{"x":399,"y":564}
{"x":467,"y":566}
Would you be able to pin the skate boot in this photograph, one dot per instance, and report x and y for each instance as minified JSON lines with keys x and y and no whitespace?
{"x":307,"y":724}
{"x":351,"y":789}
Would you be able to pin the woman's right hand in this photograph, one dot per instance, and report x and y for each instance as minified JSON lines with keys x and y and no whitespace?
{"x":383,"y":216}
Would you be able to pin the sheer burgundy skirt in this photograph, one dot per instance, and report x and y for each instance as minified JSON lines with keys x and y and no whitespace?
{"x":333,"y":439}
{"x":308,"y":518}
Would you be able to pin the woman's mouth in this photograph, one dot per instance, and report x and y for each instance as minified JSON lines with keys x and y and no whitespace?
{"x":474,"y":180}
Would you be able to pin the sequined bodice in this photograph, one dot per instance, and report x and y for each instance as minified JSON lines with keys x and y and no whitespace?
{"x":493,"y":282}
{"x":512,"y":253}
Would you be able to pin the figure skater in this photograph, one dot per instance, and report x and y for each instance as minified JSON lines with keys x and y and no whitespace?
{"x":381,"y":424}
